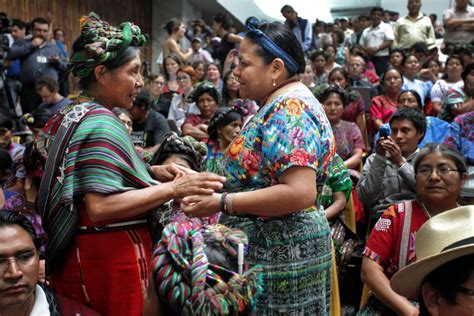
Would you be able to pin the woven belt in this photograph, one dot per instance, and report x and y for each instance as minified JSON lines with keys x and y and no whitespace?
{"x":111,"y":227}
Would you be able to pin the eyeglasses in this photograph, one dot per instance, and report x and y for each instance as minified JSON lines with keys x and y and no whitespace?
{"x":159,"y":83}
{"x":182,"y":78}
{"x":427,"y":171}
{"x":24,"y":259}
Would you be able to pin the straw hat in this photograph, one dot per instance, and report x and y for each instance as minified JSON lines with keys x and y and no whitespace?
{"x":443,"y":238}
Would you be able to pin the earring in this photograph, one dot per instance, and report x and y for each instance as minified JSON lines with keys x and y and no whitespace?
{"x":274,"y":83}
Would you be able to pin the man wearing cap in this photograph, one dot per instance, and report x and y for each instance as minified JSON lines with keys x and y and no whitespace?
{"x":199,"y":54}
{"x":414,"y":28}
{"x":300,"y":27}
{"x":442,"y":277}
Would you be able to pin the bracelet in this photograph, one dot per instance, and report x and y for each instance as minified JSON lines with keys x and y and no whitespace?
{"x":229,"y":204}
{"x":223,"y":204}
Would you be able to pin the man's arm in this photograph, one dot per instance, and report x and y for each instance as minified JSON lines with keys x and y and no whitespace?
{"x":307,"y":37}
{"x":20,"y":49}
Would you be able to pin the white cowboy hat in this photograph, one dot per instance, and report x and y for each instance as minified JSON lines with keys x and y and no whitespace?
{"x":442,"y":238}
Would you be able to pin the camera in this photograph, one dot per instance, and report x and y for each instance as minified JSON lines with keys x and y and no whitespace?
{"x":384,"y":131}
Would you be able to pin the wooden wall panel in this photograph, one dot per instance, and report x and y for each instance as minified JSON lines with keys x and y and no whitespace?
{"x":66,"y":13}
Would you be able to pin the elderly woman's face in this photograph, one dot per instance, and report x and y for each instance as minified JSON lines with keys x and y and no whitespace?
{"x":207,"y":105}
{"x":253,"y":75}
{"x":435,"y":183}
{"x":121,"y":86}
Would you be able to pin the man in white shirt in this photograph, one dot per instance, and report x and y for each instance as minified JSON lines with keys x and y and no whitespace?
{"x":414,"y":28}
{"x":377,"y":40}
{"x":20,"y":292}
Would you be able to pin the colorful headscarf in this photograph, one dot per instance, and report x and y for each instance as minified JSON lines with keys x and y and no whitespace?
{"x":452,"y":98}
{"x":193,"y":282}
{"x":100,"y":42}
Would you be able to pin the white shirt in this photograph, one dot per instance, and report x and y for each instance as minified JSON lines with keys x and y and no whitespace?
{"x":373,"y":37}
{"x":41,"y":306}
{"x":177,"y":113}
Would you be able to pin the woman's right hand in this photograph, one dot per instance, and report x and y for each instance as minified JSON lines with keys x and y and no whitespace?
{"x":196,"y":184}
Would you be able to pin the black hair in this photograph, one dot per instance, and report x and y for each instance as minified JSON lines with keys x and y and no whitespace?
{"x":287,"y":8}
{"x":48,"y":82}
{"x":415,"y":94}
{"x":316,"y":54}
{"x":415,"y":116}
{"x":126,"y":56}
{"x":319,"y":24}
{"x":447,"y":151}
{"x":334,"y":89}
{"x":467,"y":70}
{"x":172,"y":25}
{"x":285,"y":39}
{"x":39,"y":20}
{"x":364,"y":17}
{"x":56,"y":30}
{"x":342,"y":71}
{"x":339,"y":34}
{"x":224,"y":19}
{"x":18,"y":23}
{"x":434,"y":16}
{"x":382,"y":77}
{"x":176,"y":59}
{"x":205,"y":87}
{"x":10,"y":218}
{"x":419,"y":47}
{"x":449,"y":277}
{"x":6,"y":161}
{"x":222,"y":117}
{"x":376,"y":9}
{"x":225,"y":93}
{"x":407,"y":56}
{"x":6,"y":122}
{"x":397,"y":50}
{"x":454,"y":57}
{"x":142,"y":99}
{"x":427,"y":63}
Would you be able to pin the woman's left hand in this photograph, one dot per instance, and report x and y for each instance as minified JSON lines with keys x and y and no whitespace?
{"x":166,"y":173}
{"x":201,"y":205}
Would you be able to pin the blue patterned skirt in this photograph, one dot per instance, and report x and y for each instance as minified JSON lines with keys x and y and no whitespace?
{"x":295,"y":254}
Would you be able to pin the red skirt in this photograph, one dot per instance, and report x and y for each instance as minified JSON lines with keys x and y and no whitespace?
{"x":107,"y":271}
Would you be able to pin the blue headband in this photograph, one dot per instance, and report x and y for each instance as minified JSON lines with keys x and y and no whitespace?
{"x":273,"y":49}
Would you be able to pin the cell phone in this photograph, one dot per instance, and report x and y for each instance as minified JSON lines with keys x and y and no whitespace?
{"x":384,"y":131}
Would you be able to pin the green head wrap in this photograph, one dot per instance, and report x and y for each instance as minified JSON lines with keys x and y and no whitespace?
{"x":100,"y":42}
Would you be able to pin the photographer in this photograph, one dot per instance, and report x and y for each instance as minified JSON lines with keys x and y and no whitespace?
{"x":388,"y":176}
{"x":38,"y":58}
{"x":18,"y":32}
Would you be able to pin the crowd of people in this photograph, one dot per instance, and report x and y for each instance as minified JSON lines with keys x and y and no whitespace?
{"x":248,"y":176}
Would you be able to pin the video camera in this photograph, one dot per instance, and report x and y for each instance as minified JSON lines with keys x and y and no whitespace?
{"x":4,"y":42}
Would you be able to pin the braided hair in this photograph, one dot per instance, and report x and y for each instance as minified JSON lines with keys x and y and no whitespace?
{"x":221,"y":118}
{"x":194,"y":280}
{"x":103,"y":44}
{"x":185,"y":147}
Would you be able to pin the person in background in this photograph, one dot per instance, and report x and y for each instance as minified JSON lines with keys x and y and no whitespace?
{"x":154,"y":86}
{"x":342,"y":52}
{"x":377,"y":40}
{"x":230,"y":91}
{"x":331,"y":58}
{"x":411,"y":67}
{"x":453,"y":71}
{"x":125,"y":118}
{"x":459,"y":26}
{"x":214,"y":75}
{"x":356,"y":68}
{"x":48,"y":90}
{"x":435,"y":66}
{"x":388,"y":179}
{"x":320,"y":37}
{"x":149,"y":127}
{"x":318,"y":60}
{"x":221,"y":25}
{"x":58,"y":40}
{"x":20,"y":274}
{"x":383,"y":106}
{"x":199,"y":70}
{"x":38,"y":58}
{"x":413,"y":28}
{"x":199,"y":54}
{"x":181,"y":104}
{"x":396,"y":59}
{"x":307,"y":77}
{"x":224,"y":127}
{"x":440,"y":173}
{"x":442,"y":277}
{"x":172,"y":64}
{"x":176,"y":31}
{"x":300,"y":27}
{"x":207,"y":99}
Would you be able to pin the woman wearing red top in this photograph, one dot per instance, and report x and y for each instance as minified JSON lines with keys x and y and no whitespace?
{"x":383,"y":106}
{"x":440,"y":175}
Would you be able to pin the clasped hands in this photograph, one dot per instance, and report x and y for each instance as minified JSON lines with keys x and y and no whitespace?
{"x":195,"y":191}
